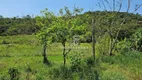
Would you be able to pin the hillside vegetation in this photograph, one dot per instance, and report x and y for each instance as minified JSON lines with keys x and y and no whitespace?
{"x":27,"y":24}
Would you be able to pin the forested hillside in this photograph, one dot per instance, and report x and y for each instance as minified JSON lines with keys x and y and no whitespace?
{"x":17,"y":26}
{"x":27,"y":24}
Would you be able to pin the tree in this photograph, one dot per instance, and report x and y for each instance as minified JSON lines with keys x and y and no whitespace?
{"x":66,"y":25}
{"x":44,"y":22}
{"x":114,"y":26}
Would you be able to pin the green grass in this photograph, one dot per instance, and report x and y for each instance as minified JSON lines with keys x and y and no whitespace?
{"x":129,"y":65}
{"x":25,"y":51}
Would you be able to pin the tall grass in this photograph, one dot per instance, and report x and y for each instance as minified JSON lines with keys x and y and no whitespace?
{"x":23,"y":52}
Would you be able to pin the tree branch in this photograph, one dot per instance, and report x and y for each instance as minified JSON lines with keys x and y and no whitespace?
{"x":118,"y":33}
{"x":129,"y":4}
{"x":68,"y":52}
{"x":137,"y":8}
{"x":108,"y":4}
{"x":120,"y":6}
{"x":113,"y":5}
{"x":103,"y":5}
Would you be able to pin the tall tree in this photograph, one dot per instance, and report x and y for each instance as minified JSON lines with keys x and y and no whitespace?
{"x":66,"y":25}
{"x":111,"y":21}
{"x":44,"y":22}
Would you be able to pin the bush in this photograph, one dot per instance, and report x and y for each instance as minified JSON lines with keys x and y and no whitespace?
{"x":136,"y":40}
{"x":5,"y":42}
{"x":90,"y":61}
{"x":102,"y":46}
{"x":66,"y":73}
{"x":63,"y":73}
{"x":78,"y":70}
{"x":76,"y":61}
{"x":123,"y":46}
{"x":14,"y":73}
{"x":4,"y":77}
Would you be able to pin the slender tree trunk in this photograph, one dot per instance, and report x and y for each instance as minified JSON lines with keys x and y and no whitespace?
{"x":64,"y":60}
{"x":45,"y":60}
{"x":111,"y":47}
{"x":93,"y":39}
{"x":113,"y":42}
{"x":64,"y":53}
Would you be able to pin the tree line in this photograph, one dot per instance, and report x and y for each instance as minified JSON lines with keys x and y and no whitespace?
{"x":27,"y":24}
{"x":17,"y":25}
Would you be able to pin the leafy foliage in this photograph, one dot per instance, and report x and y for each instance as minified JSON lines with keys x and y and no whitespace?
{"x":123,"y":46}
{"x":137,"y":40}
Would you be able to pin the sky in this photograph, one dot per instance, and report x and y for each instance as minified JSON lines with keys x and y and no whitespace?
{"x":11,"y":8}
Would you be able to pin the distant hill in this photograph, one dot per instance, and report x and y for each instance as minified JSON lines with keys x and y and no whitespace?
{"x":27,"y":24}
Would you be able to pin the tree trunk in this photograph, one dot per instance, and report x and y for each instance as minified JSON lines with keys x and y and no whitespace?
{"x":45,"y":60}
{"x":110,"y":49}
{"x":64,"y":53}
{"x":64,"y":60}
{"x":93,"y":40}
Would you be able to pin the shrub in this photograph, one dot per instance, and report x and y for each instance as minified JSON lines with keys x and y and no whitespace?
{"x":123,"y":46}
{"x":14,"y":74}
{"x":136,"y":40}
{"x":4,"y":77}
{"x":90,"y":61}
{"x":62,"y":72}
{"x":76,"y":61}
{"x":40,"y":77}
{"x":78,"y":70}
{"x":5,"y":42}
{"x":102,"y":46}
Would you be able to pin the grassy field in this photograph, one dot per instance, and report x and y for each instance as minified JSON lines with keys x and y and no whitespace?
{"x":24,"y":52}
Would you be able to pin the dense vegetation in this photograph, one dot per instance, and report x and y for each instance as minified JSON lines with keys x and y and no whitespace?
{"x":17,"y":26}
{"x":27,"y":24}
{"x":51,"y":47}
